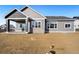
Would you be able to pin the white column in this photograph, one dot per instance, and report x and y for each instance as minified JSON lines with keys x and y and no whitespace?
{"x":26,"y":25}
{"x":44,"y":25}
{"x":74,"y":27}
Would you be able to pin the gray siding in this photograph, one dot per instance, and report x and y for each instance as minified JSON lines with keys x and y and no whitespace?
{"x":61,"y":26}
{"x":33,"y":29}
{"x":42,"y":27}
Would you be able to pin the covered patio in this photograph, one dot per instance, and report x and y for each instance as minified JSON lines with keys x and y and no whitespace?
{"x":19,"y":18}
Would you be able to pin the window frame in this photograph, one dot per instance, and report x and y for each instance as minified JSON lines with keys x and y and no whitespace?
{"x":21,"y":25}
{"x":55,"y":23}
{"x":37,"y":24}
{"x":67,"y":27}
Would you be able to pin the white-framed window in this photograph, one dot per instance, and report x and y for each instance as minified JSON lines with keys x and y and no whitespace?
{"x":52,"y":25}
{"x":67,"y":25}
{"x":22,"y":26}
{"x":36,"y":24}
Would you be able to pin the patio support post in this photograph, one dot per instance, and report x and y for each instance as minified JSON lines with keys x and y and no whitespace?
{"x":7,"y":25}
{"x":26,"y":25}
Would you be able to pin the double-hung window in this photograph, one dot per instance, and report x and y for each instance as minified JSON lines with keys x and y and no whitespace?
{"x":37,"y":24}
{"x":67,"y":26}
{"x":53,"y":25}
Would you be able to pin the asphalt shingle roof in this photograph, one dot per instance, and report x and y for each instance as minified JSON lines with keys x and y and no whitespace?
{"x":51,"y":18}
{"x":57,"y":17}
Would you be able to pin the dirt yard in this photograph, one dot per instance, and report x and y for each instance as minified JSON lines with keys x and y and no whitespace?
{"x":65,"y":43}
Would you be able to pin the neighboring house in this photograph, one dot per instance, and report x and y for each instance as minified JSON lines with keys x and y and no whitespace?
{"x":3,"y":28}
{"x":76,"y":23}
{"x":30,"y":21}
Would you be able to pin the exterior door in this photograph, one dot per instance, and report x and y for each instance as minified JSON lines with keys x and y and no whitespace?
{"x":21,"y":27}
{"x":31,"y":26}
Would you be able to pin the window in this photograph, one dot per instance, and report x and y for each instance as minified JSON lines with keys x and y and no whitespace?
{"x":67,"y":25}
{"x":37,"y":24}
{"x":20,"y":25}
{"x":48,"y":26}
{"x":53,"y":25}
{"x":22,"y":28}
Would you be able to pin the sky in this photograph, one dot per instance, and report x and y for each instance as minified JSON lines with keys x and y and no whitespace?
{"x":46,"y":10}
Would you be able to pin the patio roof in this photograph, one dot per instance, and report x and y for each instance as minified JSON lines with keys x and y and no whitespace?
{"x":15,"y":14}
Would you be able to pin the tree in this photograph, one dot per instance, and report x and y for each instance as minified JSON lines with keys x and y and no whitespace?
{"x":4,"y":26}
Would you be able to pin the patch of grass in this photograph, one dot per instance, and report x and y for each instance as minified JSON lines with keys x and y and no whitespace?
{"x":39,"y":43}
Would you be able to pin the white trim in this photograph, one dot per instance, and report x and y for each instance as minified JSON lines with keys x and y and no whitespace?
{"x":38,"y":18}
{"x":16,"y":18}
{"x":68,"y":27}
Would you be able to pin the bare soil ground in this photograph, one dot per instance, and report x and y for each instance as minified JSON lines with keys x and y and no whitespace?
{"x":65,"y":43}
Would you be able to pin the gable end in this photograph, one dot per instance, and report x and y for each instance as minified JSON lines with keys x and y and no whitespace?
{"x":10,"y":13}
{"x":15,"y":14}
{"x":32,"y":13}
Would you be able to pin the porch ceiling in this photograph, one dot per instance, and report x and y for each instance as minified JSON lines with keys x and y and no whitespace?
{"x":18,"y":20}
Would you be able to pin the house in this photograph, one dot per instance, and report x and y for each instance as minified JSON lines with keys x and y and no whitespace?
{"x":3,"y":28}
{"x":76,"y":23}
{"x":60,"y":24}
{"x":30,"y":21}
{"x":27,"y":20}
